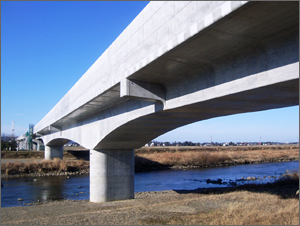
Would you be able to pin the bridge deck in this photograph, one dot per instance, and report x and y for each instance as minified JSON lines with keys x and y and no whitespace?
{"x":198,"y":44}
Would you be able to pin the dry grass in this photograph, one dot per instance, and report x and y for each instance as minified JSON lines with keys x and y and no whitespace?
{"x":273,"y":204}
{"x":187,"y":158}
{"x":163,"y":158}
{"x":245,"y":208}
{"x":208,"y":158}
{"x":45,"y":166}
{"x":263,"y":155}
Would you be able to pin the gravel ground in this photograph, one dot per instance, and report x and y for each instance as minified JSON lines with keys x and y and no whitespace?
{"x":140,"y":210}
{"x":217,"y":206}
{"x":145,"y":207}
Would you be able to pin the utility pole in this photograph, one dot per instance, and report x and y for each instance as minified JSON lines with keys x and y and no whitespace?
{"x":12,"y":128}
{"x":12,"y":138}
{"x":260,"y":140}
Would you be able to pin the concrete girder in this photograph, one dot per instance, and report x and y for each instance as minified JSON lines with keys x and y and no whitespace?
{"x":56,"y":141}
{"x":212,"y":58}
{"x":121,"y":126}
{"x":142,"y":90}
{"x":136,"y":133}
{"x":228,"y":27}
{"x":48,"y":130}
{"x":52,"y":128}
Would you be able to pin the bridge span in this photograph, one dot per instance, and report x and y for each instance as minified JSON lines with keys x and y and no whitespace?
{"x":176,"y":63}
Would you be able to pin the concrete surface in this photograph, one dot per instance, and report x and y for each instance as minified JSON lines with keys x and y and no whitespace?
{"x":52,"y":152}
{"x":177,"y":63}
{"x":194,"y":52}
{"x":111,"y":175}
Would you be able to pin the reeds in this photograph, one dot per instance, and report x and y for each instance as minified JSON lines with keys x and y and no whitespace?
{"x":163,"y":158}
{"x":217,"y":157}
{"x":188,"y":158}
{"x":44,"y":166}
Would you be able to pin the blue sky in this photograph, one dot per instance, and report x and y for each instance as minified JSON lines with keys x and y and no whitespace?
{"x":47,"y":46}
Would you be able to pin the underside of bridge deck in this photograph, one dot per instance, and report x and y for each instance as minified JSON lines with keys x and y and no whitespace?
{"x":246,"y":61}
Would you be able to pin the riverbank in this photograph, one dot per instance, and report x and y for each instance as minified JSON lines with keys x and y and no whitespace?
{"x":147,"y":159}
{"x":34,"y":168}
{"x":275,"y":204}
{"x":158,"y":158}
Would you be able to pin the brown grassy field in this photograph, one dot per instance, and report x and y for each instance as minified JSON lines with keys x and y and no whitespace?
{"x":206,"y":157}
{"x":44,"y":166}
{"x":156,"y":158}
{"x":238,"y":208}
{"x":269,"y":204}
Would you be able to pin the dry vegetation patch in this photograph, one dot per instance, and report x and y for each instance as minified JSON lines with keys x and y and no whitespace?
{"x":44,"y":166}
{"x":159,"y":158}
{"x":239,"y":208}
{"x":215,"y":157}
{"x":187,"y":158}
{"x":271,"y":204}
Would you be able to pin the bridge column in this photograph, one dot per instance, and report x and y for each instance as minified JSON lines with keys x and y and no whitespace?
{"x":54,"y":151}
{"x":111,"y":175}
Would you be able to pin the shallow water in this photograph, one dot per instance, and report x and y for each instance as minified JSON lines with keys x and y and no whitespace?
{"x":77,"y":187}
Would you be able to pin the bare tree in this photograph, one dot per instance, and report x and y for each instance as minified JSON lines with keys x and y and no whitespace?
{"x":8,"y":142}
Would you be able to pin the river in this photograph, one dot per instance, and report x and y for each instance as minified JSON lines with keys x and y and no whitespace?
{"x":77,"y":187}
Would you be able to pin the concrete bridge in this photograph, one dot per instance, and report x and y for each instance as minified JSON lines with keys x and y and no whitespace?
{"x":175,"y":64}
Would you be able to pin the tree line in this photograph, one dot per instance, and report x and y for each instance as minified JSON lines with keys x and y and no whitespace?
{"x":8,"y":142}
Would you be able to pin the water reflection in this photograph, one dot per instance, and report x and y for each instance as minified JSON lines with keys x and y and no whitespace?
{"x":49,"y":189}
{"x":77,"y":187}
{"x":43,"y":189}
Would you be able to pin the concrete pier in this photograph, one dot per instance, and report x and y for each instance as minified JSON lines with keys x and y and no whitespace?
{"x":176,"y":63}
{"x":54,"y":151}
{"x":111,"y":175}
